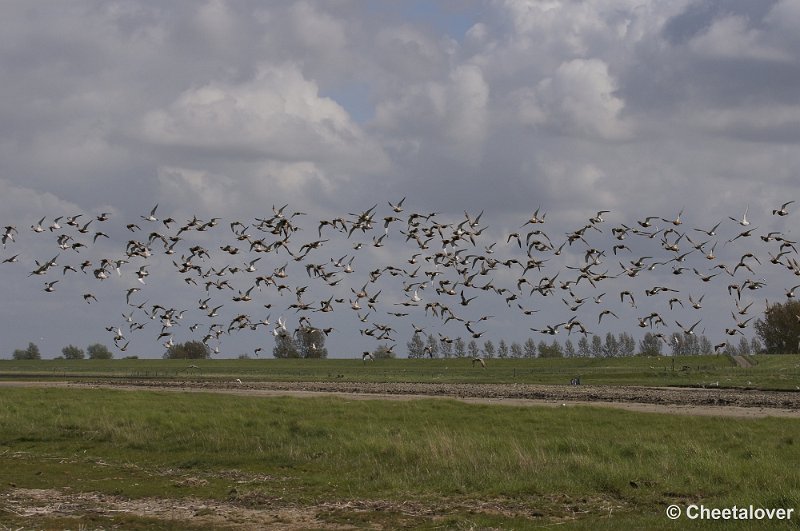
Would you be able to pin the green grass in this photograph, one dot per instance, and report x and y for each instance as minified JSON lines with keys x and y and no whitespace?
{"x":768,"y":372}
{"x":525,"y":466}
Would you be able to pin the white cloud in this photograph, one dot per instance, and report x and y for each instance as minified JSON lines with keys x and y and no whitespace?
{"x":216,"y":21}
{"x":580,"y":99}
{"x":24,"y":203}
{"x":277,"y":115}
{"x":778,"y":123}
{"x":408,"y":55}
{"x":731,"y":38}
{"x":580,"y":186}
{"x":316,"y":30}
{"x":785,"y":14}
{"x":467,"y":114}
{"x":208,"y":193}
{"x":560,"y":30}
{"x":455,"y":111}
{"x":524,"y":107}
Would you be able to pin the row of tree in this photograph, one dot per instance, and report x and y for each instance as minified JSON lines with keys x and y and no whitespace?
{"x":778,"y":333}
{"x":678,"y":344}
{"x":96,"y":351}
{"x":304,"y":343}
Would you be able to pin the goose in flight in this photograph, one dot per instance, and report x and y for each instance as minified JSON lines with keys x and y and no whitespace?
{"x":782,"y":210}
{"x":250,"y":267}
{"x":8,"y":234}
{"x":677,"y":221}
{"x":465,"y":301}
{"x":549,"y":329}
{"x":152,"y":215}
{"x":605,"y":312}
{"x":72,"y":221}
{"x":743,"y":234}
{"x":479,"y":361}
{"x":711,"y":255}
{"x":622,"y":295}
{"x":647,"y":222}
{"x":598,"y":218}
{"x":742,"y":310}
{"x":397,"y":207}
{"x":688,"y":331}
{"x":712,"y":231}
{"x":535,"y":218}
{"x":743,"y":222}
{"x":38,"y":227}
{"x":740,"y":323}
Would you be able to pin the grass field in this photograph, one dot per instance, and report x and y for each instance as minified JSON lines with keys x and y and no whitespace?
{"x":424,"y":463}
{"x":304,"y":463}
{"x":767,"y":372}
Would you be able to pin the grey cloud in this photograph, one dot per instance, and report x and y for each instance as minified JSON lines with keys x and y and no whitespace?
{"x":698,"y":17}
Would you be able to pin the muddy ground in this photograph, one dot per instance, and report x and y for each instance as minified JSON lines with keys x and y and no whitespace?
{"x":692,"y":401}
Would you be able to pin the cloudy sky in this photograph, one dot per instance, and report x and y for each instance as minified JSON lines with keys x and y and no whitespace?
{"x":224,"y":109}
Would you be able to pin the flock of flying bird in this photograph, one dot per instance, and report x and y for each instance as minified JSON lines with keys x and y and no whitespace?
{"x":242,"y":273}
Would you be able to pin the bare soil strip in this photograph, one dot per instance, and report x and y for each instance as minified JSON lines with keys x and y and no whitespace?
{"x":28,"y":503}
{"x":265,"y":512}
{"x":688,"y":401}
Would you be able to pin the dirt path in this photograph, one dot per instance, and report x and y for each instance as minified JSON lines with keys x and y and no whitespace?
{"x":233,"y":514}
{"x":274,"y":513}
{"x":27,"y":503}
{"x":686,"y":401}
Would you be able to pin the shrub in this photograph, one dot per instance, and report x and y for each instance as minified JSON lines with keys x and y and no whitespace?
{"x":71,"y":352}
{"x":99,"y":351}
{"x":30,"y":353}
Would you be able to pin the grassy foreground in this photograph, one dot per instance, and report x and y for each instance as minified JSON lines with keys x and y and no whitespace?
{"x":457,"y":465}
{"x":766,"y":372}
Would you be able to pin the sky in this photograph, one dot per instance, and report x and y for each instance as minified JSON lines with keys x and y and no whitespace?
{"x":225,"y":109}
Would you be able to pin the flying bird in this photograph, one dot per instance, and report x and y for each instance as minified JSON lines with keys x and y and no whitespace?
{"x":152,"y":215}
{"x":743,"y":222}
{"x":782,"y":210}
